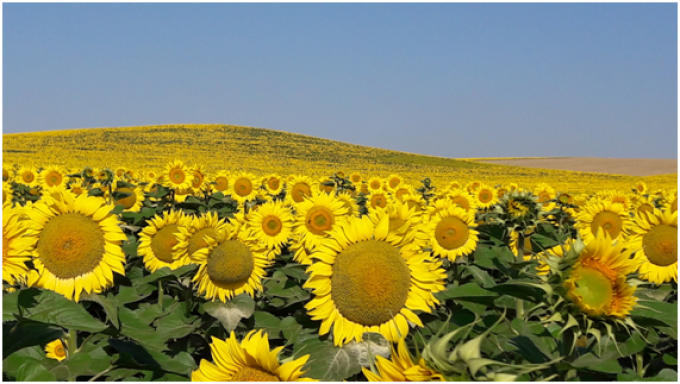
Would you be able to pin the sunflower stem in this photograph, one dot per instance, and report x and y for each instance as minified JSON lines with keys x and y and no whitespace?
{"x":72,"y":343}
{"x":160,"y":294}
{"x":520,"y":258}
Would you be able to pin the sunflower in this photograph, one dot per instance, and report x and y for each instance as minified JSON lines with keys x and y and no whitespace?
{"x":404,"y":223}
{"x":250,"y":360}
{"x":7,"y":173}
{"x":364,"y":283}
{"x":401,"y":367}
{"x":198,"y":172}
{"x":415,"y":201}
{"x":471,"y":186}
{"x":350,"y":203}
{"x":176,"y":175}
{"x":596,"y":215}
{"x":513,"y":187}
{"x":27,"y":176}
{"x":56,"y":350}
{"x":181,"y":195}
{"x":543,"y":269}
{"x":596,"y":282}
{"x":271,"y":225}
{"x":78,"y":187}
{"x":327,"y":187}
{"x":545,"y":193}
{"x":298,"y":188}
{"x":273,"y":184}
{"x":378,"y":199}
{"x":316,"y":216}
{"x":671,"y":202}
{"x":52,"y":177}
{"x":230,"y":265}
{"x":120,"y":172}
{"x":7,"y":194}
{"x":641,"y":188}
{"x":300,"y":253}
{"x":393,"y":181}
{"x":157,"y":240}
{"x":462,"y":199}
{"x":616,"y":197}
{"x":150,"y":176}
{"x":485,"y":196}
{"x":78,"y":245}
{"x":641,"y":205}
{"x":355,"y":177}
{"x":191,"y":236}
{"x":401,"y":190}
{"x":222,"y":182}
{"x":375,"y":184}
{"x":453,"y":185}
{"x":451,"y":232}
{"x":133,"y":202}
{"x":16,"y":247}
{"x":654,"y":239}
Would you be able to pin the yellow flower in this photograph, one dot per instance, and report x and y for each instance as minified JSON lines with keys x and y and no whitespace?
{"x":192,"y":234}
{"x":230,"y":265}
{"x":250,"y":360}
{"x":222,"y":182}
{"x":393,"y":181}
{"x":597,"y":280}
{"x":27,"y":176}
{"x":401,"y":367}
{"x":132,"y":203}
{"x":349,"y":297}
{"x":176,"y":175}
{"x":654,"y":239}
{"x":299,"y":188}
{"x":56,"y":350}
{"x":158,"y":239}
{"x":316,"y":216}
{"x":16,"y":247}
{"x":485,"y":196}
{"x":451,"y":232}
{"x":271,"y":225}
{"x":78,"y":245}
{"x":607,"y":216}
{"x":244,"y":187}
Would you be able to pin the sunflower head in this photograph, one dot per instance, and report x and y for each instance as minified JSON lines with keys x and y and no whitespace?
{"x":519,"y":209}
{"x":56,"y":350}
{"x":177,"y":176}
{"x":248,"y":360}
{"x":654,"y":239}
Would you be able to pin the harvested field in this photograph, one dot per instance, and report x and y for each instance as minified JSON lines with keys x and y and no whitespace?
{"x":630,"y":167}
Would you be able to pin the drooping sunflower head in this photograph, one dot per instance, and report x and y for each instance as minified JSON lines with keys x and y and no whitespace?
{"x":299,"y":188}
{"x":77,"y":244}
{"x":485,"y":196}
{"x":654,"y":239}
{"x":271,"y":225}
{"x":56,"y":350}
{"x":364,"y":283}
{"x":596,"y":280}
{"x":230,"y":265}
{"x":249,"y":360}
{"x":519,"y":208}
{"x":158,"y":238}
{"x":597,"y":216}
{"x":27,"y":176}
{"x":176,"y":175}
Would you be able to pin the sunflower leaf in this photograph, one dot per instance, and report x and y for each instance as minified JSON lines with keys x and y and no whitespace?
{"x":53,"y":308}
{"x":230,"y":314}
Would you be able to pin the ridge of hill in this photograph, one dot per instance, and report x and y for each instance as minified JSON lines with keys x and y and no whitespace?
{"x":264,"y":151}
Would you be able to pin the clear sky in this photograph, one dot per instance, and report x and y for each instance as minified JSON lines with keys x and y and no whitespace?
{"x":453,"y":80}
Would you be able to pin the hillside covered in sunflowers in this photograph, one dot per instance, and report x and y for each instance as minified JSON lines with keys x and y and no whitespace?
{"x":200,"y":264}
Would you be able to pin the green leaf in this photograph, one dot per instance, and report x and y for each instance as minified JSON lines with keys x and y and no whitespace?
{"x":631,"y":346}
{"x":53,"y":308}
{"x":331,"y":363}
{"x":28,"y":336}
{"x":14,"y":361}
{"x":656,"y":312}
{"x":669,"y":360}
{"x":664,"y":375}
{"x":520,"y":290}
{"x":136,"y":326}
{"x":110,"y":306}
{"x":608,"y":366}
{"x":133,"y":355}
{"x":164,"y":273}
{"x":175,"y":325}
{"x":34,"y":371}
{"x":10,"y":306}
{"x":230,"y":314}
{"x":88,"y":364}
{"x":268,"y":322}
{"x":118,"y":209}
{"x":481,"y":276}
{"x":467,"y":292}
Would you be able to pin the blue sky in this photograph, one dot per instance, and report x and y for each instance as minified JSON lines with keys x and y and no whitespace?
{"x":453,"y":80}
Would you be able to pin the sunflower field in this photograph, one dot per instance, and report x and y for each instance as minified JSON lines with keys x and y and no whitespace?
{"x":184,"y":273}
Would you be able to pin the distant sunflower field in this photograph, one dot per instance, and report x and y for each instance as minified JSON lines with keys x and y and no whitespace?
{"x":178,"y":273}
